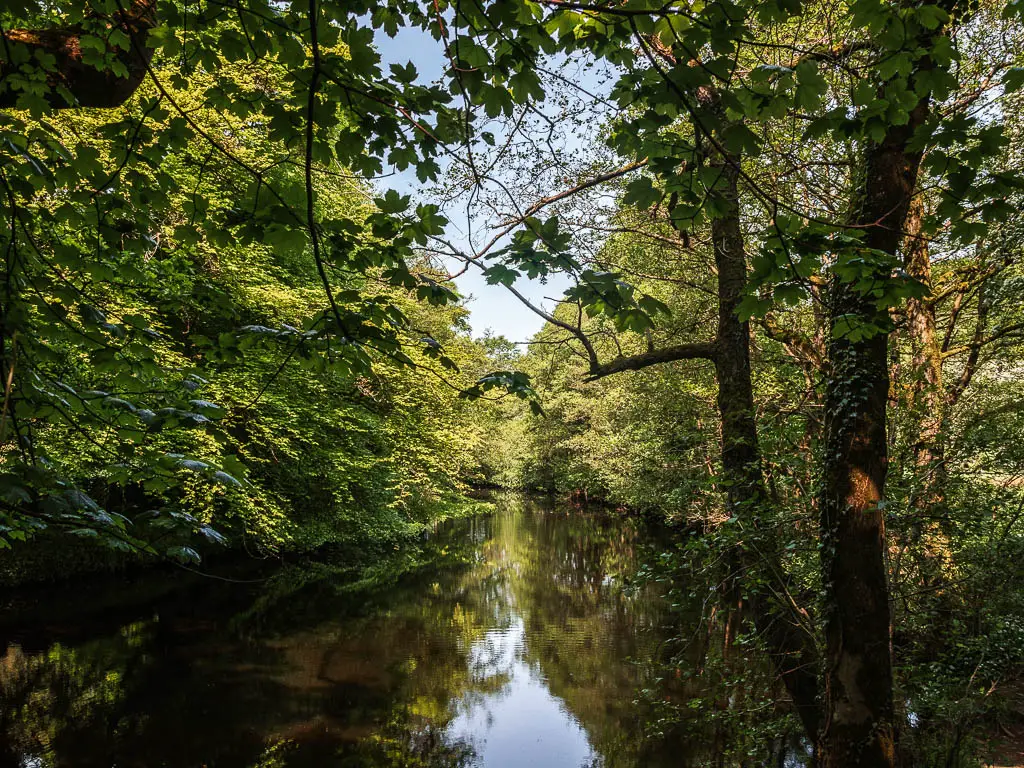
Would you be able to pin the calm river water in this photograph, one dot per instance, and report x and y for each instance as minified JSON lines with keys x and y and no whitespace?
{"x":523,"y":646}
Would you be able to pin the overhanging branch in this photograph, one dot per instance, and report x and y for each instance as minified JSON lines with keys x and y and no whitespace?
{"x":72,"y":82}
{"x":695,"y":351}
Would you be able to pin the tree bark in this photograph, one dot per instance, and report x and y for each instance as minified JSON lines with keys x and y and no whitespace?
{"x":928,"y":400}
{"x":928,"y":407}
{"x":789,"y":644}
{"x":859,"y":729}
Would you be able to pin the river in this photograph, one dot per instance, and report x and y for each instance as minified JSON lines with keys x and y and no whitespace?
{"x":522,"y":643}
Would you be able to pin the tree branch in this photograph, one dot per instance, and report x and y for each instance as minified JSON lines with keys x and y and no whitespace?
{"x":796,"y":344}
{"x":695,"y":351}
{"x":71,"y":76}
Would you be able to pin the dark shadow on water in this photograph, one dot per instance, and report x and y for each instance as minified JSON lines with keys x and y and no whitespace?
{"x":521,"y":646}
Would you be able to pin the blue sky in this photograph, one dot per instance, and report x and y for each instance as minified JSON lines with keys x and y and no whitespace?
{"x":491,"y":307}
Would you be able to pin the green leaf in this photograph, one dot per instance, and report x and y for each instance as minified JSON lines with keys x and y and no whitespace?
{"x":1013,"y":79}
{"x":393,"y":202}
{"x":642,"y":193}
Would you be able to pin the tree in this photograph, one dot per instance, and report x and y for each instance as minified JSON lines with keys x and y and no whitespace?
{"x":710,"y":100}
{"x":159,"y":320}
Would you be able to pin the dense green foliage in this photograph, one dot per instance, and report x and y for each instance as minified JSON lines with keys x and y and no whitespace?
{"x":165,"y":375}
{"x":793,"y":260}
{"x":647,"y":441}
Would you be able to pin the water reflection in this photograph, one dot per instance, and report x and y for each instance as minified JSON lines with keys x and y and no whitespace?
{"x":522,"y":723}
{"x":523,"y":647}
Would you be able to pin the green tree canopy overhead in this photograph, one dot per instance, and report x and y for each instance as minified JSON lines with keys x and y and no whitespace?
{"x":694,"y":81}
{"x":711,"y":100}
{"x":160,"y":289}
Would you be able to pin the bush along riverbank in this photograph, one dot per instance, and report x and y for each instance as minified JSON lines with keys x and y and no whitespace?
{"x":54,"y":559}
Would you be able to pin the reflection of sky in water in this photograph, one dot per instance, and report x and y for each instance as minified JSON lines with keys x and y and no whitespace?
{"x":519,"y":650}
{"x":522,"y":724}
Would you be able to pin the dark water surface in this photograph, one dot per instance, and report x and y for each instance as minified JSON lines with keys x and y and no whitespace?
{"x":523,"y":646}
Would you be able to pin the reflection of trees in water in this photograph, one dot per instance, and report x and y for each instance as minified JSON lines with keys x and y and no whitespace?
{"x":396,"y":746}
{"x":392,"y":747}
{"x":65,"y":697}
{"x":181,"y":692}
{"x":584,"y":632}
{"x":306,"y":680}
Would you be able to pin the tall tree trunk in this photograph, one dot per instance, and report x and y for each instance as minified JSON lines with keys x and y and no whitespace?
{"x":754,"y":574}
{"x":928,"y":402}
{"x":859,"y":728}
{"x":741,"y":457}
{"x":928,"y":408}
{"x":791,"y":651}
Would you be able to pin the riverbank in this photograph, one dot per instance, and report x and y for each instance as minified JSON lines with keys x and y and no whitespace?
{"x":55,"y":559}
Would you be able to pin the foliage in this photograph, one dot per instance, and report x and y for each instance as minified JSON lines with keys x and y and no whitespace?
{"x":169,"y":370}
{"x":861,"y":156}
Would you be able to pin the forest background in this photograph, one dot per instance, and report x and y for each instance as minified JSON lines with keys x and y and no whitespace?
{"x":790,"y":243}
